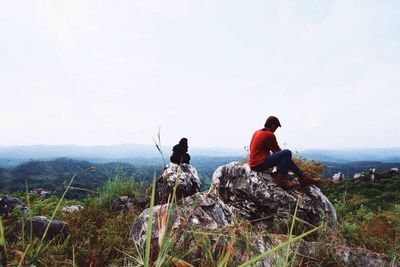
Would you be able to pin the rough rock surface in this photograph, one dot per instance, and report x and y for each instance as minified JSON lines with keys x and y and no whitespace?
{"x":347,"y":256}
{"x":125,"y":203}
{"x":394,"y":172}
{"x":200,"y":210}
{"x":200,"y":213}
{"x":8,"y":204}
{"x":189,"y":182}
{"x":72,"y":208}
{"x":39,"y":224}
{"x":255,"y":196}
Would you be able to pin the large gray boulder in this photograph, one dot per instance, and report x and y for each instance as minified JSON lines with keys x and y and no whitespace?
{"x":188,"y":182}
{"x":198,"y":211}
{"x":255,"y":196}
{"x":200,"y":219}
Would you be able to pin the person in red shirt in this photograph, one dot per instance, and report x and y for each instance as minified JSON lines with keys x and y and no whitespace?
{"x":265,"y":153}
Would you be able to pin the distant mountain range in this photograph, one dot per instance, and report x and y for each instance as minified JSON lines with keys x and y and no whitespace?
{"x":352,"y":155}
{"x":112,"y":151}
{"x":11,"y":156}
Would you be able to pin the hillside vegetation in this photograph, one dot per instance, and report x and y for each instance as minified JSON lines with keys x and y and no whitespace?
{"x":51,"y":174}
{"x":369,"y":213}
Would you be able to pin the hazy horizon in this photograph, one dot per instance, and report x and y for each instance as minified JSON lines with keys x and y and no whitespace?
{"x":199,"y":147}
{"x":194,"y":147}
{"x":107,"y":73}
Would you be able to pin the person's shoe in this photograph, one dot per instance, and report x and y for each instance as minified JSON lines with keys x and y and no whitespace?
{"x":283,"y":181}
{"x":309,"y":180}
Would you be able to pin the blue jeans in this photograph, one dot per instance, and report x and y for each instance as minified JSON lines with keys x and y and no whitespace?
{"x":283,"y":160}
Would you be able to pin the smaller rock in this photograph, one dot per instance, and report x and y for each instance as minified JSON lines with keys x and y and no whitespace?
{"x":72,"y":208}
{"x":39,"y":224}
{"x":369,"y":176}
{"x":123,"y":203}
{"x":141,"y":202}
{"x":394,"y":172}
{"x":347,"y":256}
{"x":42,"y":192}
{"x":8,"y":204}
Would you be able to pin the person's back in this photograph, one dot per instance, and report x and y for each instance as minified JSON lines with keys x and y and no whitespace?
{"x":262,"y":144}
{"x":179,"y":152}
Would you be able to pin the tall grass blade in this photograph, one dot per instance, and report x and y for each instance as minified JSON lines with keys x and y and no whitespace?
{"x":291,"y":230}
{"x":165,"y":243}
{"x":158,"y":144}
{"x":57,"y":207}
{"x":3,"y":245}
{"x":138,"y":261}
{"x":23,"y":256}
{"x":150,"y":224}
{"x":28,"y":202}
{"x":73,"y":257}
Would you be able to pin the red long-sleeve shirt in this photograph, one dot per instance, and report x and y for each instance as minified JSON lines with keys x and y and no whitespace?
{"x":262,"y":144}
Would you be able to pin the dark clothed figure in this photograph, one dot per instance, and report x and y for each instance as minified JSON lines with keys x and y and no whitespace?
{"x":179,"y":152}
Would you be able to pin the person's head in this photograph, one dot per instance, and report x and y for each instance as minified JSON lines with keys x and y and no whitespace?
{"x":183,"y":142}
{"x":272,"y":123}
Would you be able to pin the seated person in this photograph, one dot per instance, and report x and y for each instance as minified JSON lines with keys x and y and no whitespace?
{"x":265,"y":153}
{"x":179,"y":152}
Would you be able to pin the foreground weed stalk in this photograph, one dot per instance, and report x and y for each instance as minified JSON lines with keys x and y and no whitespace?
{"x":34,"y":250}
{"x":291,"y":230}
{"x":150,"y":224}
{"x":285,"y":244}
{"x":158,"y":145}
{"x":3,"y":249}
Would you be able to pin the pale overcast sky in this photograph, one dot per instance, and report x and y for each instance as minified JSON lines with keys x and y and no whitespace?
{"x":112,"y":72}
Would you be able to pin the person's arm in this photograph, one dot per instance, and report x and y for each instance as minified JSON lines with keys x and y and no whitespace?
{"x":274,"y":144}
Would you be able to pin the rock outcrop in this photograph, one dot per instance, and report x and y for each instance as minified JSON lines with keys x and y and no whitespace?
{"x":8,"y":204}
{"x":72,"y":208}
{"x":344,"y":256}
{"x":199,"y":219}
{"x":255,"y":196}
{"x":198,"y":211}
{"x":188,"y":182}
{"x":57,"y":228}
{"x":125,"y":203}
{"x":393,"y":172}
{"x":369,"y":176}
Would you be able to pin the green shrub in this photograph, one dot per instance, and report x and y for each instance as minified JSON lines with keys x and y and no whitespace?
{"x":364,"y":213}
{"x":397,"y":208}
{"x":119,"y":186}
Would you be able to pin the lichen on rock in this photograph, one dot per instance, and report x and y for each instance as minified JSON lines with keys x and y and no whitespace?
{"x":255,"y":196}
{"x":188,"y":182}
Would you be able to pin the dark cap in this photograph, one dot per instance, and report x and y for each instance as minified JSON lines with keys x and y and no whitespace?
{"x":272,"y":120}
